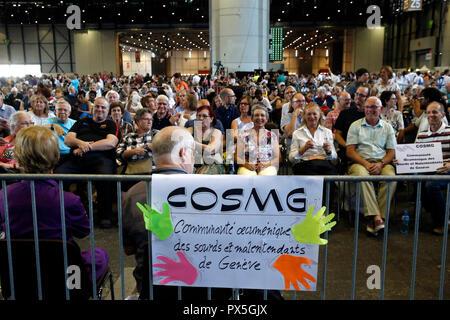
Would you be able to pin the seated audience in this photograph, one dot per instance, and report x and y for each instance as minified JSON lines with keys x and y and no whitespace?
{"x":116,"y":114}
{"x":370,"y":150}
{"x":389,"y":112}
{"x":8,"y":160}
{"x":312,"y":148}
{"x":39,"y":110}
{"x":61,"y":124}
{"x":432,"y":197}
{"x":257,"y":151}
{"x":208,"y":143}
{"x":37,"y":151}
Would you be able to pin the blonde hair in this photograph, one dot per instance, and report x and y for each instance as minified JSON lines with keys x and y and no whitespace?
{"x":43,"y":99}
{"x":310,"y":106}
{"x":36,"y":149}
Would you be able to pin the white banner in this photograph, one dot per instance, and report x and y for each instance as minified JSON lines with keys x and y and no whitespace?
{"x":418,"y":157}
{"x":230,"y":231}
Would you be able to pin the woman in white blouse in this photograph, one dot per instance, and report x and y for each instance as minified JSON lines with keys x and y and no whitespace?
{"x":312,"y":148}
{"x":39,"y":110}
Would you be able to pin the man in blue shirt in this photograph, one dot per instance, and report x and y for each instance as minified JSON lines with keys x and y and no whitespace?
{"x":371,"y":148}
{"x":227,"y":112}
{"x":61,"y":124}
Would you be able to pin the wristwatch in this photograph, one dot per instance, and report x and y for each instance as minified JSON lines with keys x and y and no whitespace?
{"x":383,"y":163}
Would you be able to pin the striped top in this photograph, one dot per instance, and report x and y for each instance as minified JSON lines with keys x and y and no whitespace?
{"x":442,"y":136}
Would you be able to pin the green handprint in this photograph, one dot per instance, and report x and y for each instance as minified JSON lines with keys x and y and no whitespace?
{"x":310,"y":229}
{"x":159,"y":224}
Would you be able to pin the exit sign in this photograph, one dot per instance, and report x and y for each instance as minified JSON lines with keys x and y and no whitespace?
{"x":276,"y":44}
{"x":412,"y":5}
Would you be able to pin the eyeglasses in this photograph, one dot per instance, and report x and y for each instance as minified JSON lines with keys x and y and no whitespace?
{"x":162,"y":104}
{"x":374,"y":106}
{"x":26,"y":123}
{"x":100,"y":106}
{"x":361,"y":95}
{"x":62,"y":110}
{"x":201,"y":116}
{"x":244,"y":104}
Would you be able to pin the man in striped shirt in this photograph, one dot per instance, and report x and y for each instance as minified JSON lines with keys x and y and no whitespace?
{"x":432,"y":197}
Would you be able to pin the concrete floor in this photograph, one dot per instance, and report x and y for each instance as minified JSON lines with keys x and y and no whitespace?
{"x":340,"y":261}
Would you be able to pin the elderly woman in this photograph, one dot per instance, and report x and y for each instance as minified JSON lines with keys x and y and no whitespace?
{"x":312,"y":148}
{"x":116,"y":112}
{"x":37,"y":151}
{"x":258,"y":149}
{"x":39,"y":110}
{"x":135,"y":150}
{"x":19,"y":120}
{"x":208,"y":142}
{"x":387,"y":83}
{"x":389,"y":112}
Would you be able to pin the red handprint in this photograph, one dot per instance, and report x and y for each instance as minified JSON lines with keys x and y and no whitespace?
{"x":176,"y":271}
{"x":291,"y":269}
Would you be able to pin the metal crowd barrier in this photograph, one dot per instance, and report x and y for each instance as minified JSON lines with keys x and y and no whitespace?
{"x":328,"y":180}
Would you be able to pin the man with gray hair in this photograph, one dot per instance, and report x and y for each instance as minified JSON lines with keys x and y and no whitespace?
{"x":162,"y":118}
{"x":370,"y":150}
{"x":61,"y":124}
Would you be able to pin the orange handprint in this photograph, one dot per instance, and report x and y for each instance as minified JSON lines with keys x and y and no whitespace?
{"x":291,"y":269}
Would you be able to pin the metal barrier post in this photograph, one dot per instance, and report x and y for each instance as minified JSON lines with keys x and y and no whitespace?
{"x":149,"y":235}
{"x":36,"y":239}
{"x":8,"y":242}
{"x":119,"y":212}
{"x":325,"y":247}
{"x":444,"y":245}
{"x":91,"y":222}
{"x":64,"y":234}
{"x":416,"y":238}
{"x":355,"y":241}
{"x":385,"y":241}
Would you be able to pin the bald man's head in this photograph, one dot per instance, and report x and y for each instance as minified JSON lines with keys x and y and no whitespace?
{"x":173,"y":147}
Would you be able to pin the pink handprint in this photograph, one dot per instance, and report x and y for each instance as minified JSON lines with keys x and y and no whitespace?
{"x":176,"y":271}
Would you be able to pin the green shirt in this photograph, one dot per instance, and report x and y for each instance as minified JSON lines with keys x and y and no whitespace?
{"x":371,"y":141}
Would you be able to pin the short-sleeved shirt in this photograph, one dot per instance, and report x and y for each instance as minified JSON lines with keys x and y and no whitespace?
{"x":89,"y":130}
{"x":371,"y":141}
{"x":346,"y":118}
{"x":63,"y":148}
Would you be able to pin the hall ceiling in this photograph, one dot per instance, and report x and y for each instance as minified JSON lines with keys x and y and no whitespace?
{"x":161,"y":26}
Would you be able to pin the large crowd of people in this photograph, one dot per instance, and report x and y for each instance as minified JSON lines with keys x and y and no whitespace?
{"x":250,"y":124}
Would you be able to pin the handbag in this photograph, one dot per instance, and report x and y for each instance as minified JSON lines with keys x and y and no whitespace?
{"x":139,"y":166}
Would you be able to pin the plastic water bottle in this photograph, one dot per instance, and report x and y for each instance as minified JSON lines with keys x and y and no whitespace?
{"x":404,"y":228}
